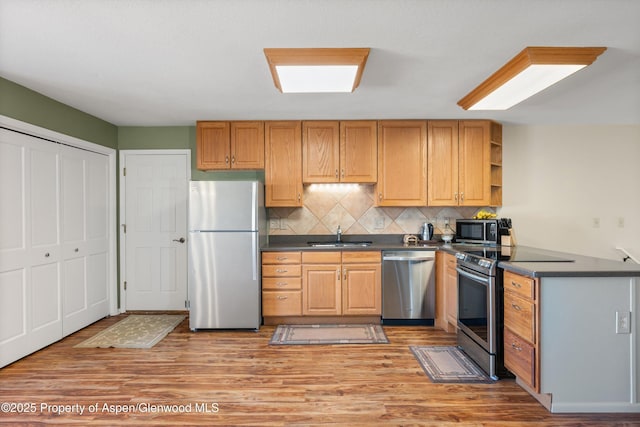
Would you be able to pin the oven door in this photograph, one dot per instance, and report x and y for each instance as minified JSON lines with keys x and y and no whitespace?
{"x":477,"y":307}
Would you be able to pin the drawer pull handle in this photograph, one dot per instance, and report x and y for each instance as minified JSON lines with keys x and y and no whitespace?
{"x":281,"y":258}
{"x":76,"y":250}
{"x":282,"y":297}
{"x":281,"y":284}
{"x":516,"y":284}
{"x":47,"y":255}
{"x":280,"y":270}
{"x":516,"y":307}
{"x":516,"y":347}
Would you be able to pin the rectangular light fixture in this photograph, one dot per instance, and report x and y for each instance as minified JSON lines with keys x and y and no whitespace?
{"x":529,"y":72}
{"x":314,"y":70}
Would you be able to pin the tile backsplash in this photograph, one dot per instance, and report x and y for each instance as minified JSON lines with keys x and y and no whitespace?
{"x":352,"y":207}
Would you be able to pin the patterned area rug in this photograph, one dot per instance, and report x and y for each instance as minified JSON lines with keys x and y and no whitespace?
{"x":328,"y":334}
{"x":449,"y":365}
{"x":135,"y":331}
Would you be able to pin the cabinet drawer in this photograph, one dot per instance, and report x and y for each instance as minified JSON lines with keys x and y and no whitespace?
{"x":320,"y":257}
{"x":363,"y":256}
{"x":286,"y":270}
{"x":281,"y":303}
{"x":519,"y":358}
{"x":281,"y":257}
{"x":521,"y":285}
{"x":519,"y":316}
{"x":281,"y":283}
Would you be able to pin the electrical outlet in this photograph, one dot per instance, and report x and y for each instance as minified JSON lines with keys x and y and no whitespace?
{"x":623,"y":322}
{"x":379,"y":223}
{"x":274,"y":223}
{"x":283,"y":223}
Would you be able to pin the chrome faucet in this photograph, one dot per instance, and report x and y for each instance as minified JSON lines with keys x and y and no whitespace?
{"x":339,"y":235}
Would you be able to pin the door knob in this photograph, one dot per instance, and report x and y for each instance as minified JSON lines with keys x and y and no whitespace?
{"x":180,"y":240}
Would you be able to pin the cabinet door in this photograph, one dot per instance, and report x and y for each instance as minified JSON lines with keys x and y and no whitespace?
{"x":475,"y":163}
{"x":361,"y":289}
{"x":321,"y":290}
{"x":283,"y":164}
{"x":247,"y":145}
{"x":212,"y":145}
{"x":358,"y":151}
{"x":84,"y":189}
{"x":320,"y":151}
{"x":442,"y":157}
{"x":402,"y":163}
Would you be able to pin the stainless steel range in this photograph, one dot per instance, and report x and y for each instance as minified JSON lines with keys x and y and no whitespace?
{"x":480,"y":313}
{"x":480,"y":300}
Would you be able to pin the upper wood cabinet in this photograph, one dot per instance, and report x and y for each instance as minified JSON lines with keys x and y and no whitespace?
{"x":283,"y":164}
{"x":230,"y":145}
{"x":465,"y":163}
{"x":442,"y":167}
{"x":402,"y":163}
{"x":335,"y":151}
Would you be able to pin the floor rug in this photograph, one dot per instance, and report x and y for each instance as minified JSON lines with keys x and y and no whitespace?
{"x":448,"y":364}
{"x":328,"y":334}
{"x":135,"y":331}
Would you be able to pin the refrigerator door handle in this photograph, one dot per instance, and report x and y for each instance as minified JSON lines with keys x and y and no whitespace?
{"x":254,"y":255}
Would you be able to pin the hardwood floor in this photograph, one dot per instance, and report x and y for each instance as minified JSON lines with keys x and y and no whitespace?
{"x":236,"y":378}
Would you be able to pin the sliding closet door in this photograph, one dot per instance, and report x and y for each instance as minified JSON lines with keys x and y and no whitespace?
{"x":30,"y":271}
{"x":54,"y":242}
{"x":84,"y":237}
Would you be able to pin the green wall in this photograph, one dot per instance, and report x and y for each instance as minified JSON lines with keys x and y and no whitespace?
{"x":21,"y":103}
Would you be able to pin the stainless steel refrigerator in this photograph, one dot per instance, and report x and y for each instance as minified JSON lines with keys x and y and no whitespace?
{"x":227,"y":227}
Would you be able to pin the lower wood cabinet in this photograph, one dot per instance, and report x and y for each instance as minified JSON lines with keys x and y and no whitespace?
{"x":521,"y":328}
{"x":319,"y":283}
{"x":281,"y":284}
{"x":446,"y":292}
{"x":341,"y":283}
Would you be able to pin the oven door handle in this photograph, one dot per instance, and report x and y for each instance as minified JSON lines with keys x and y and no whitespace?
{"x":475,"y":277}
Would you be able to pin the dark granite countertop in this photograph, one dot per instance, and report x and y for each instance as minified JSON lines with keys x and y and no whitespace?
{"x":582,"y":266}
{"x":579,"y":265}
{"x":379,"y":242}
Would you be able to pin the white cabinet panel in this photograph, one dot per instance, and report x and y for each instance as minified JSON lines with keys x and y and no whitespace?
{"x":14,"y":336}
{"x":12,"y":208}
{"x":73,"y":197}
{"x":45,"y":297}
{"x":13,"y":289}
{"x":44,"y":195}
{"x":97,"y":291}
{"x":75,"y":290}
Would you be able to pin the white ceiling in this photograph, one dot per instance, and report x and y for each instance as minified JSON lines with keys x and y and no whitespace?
{"x":172,"y":62}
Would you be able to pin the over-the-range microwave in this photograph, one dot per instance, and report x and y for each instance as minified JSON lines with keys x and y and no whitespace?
{"x":484,"y":231}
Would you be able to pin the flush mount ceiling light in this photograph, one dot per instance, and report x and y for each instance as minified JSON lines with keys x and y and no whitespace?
{"x":529,"y":72}
{"x":308,"y":70}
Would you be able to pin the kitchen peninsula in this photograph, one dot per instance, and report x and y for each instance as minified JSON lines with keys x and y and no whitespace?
{"x":583,"y":345}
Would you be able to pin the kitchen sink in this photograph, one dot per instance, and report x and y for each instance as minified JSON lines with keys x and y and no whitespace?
{"x":338,"y":244}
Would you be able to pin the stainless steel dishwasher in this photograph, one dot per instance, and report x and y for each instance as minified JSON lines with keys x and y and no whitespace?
{"x":408,"y":287}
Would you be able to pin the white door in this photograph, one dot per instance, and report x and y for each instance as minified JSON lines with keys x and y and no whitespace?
{"x":85,"y":257}
{"x":155,"y":228}
{"x":30,"y":273}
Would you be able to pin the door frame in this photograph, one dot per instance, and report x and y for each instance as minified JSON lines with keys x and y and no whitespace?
{"x":60,"y":138}
{"x":122,"y":210}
